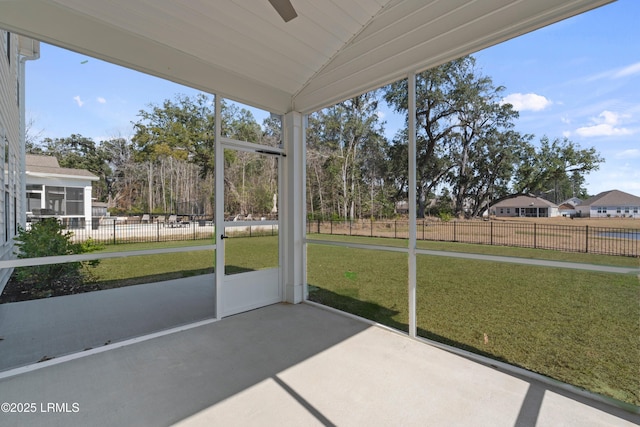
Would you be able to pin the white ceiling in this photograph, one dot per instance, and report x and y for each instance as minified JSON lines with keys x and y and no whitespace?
{"x":243,"y":50}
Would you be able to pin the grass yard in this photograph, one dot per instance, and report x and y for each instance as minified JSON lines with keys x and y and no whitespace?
{"x":262,"y":252}
{"x":135,"y":270}
{"x":578,"y":327}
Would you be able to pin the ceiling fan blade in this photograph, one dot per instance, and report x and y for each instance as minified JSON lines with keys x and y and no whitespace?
{"x":284,"y":8}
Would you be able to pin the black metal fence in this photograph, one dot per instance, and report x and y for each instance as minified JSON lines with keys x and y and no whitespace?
{"x":125,"y":230}
{"x":569,"y":238}
{"x":587,"y":239}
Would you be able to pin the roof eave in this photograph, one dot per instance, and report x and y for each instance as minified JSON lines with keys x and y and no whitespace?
{"x":334,"y":84}
{"x":63,"y":176}
{"x":60,"y":26}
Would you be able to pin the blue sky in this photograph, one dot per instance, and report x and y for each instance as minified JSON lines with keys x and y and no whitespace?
{"x":579,"y":78}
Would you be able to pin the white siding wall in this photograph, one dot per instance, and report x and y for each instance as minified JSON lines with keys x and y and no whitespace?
{"x":584,"y":211}
{"x":615,"y":212}
{"x":9,"y":146}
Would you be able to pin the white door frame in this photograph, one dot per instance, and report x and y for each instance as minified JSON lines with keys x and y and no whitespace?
{"x":244,"y":291}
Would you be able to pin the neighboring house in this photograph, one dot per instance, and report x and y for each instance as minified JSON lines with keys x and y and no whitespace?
{"x":611,"y":204}
{"x":64,"y":193}
{"x":574,"y":201}
{"x":568,"y":207}
{"x":524,"y":206}
{"x":14,"y":51}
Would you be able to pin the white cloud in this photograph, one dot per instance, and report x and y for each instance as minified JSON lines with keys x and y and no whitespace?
{"x":611,"y":118}
{"x":380,"y":114}
{"x":79,"y":101}
{"x":602,"y":130}
{"x":628,"y":71}
{"x":606,"y":124}
{"x":632,"y":153}
{"x":527,"y":101}
{"x":101,"y":100}
{"x":616,"y":73}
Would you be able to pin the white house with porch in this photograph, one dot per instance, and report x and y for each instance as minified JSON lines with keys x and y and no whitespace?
{"x":53,"y":191}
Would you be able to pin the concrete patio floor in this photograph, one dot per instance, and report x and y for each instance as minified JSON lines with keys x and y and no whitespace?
{"x":285,"y":365}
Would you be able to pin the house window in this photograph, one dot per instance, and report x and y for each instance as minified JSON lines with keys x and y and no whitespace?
{"x":7,"y":45}
{"x":75,"y":201}
{"x":626,"y":209}
{"x":501,"y":210}
{"x":34,"y":202}
{"x":508,"y":210}
{"x":602,"y":209}
{"x":635,"y":209}
{"x":34,"y":198}
{"x":15,"y":215}
{"x":618,"y":209}
{"x":54,"y":200}
{"x":6,"y":216}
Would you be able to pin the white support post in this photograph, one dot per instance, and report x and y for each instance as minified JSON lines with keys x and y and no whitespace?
{"x":293,"y":209}
{"x":219,"y":208}
{"x":411,"y":93}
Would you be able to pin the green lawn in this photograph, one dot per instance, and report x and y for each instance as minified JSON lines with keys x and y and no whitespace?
{"x":240,"y":256}
{"x":575,"y":326}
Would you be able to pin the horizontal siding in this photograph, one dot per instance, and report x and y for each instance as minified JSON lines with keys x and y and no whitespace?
{"x":9,"y":136}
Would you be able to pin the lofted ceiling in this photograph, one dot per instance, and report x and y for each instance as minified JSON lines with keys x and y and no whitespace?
{"x":243,"y":50}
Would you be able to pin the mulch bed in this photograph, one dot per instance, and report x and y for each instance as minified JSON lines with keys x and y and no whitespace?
{"x":16,"y":290}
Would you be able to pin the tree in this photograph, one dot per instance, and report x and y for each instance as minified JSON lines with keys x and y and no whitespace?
{"x":374,"y":171}
{"x":437,"y":99}
{"x":32,"y":136}
{"x":339,"y":136}
{"x":483,"y":122}
{"x":496,"y":157}
{"x":127,"y":180}
{"x":170,"y":138}
{"x":556,"y":167}
{"x":176,"y":139}
{"x":176,"y":129}
{"x":242,"y":167}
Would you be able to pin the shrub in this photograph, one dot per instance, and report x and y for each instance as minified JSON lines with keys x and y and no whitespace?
{"x":47,"y":238}
{"x":117,"y":211}
{"x":445,"y":216}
